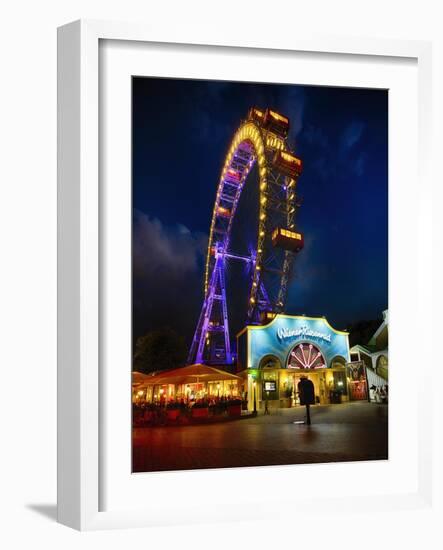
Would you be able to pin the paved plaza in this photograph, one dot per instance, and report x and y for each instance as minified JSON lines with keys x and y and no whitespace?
{"x":345,"y":432}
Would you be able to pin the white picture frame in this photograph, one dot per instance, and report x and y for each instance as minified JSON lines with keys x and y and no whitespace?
{"x":79,"y":203}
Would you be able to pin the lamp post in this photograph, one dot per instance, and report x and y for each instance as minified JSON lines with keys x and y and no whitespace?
{"x":255,"y":397}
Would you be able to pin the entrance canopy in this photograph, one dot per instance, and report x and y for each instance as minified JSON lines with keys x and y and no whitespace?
{"x":188,"y":375}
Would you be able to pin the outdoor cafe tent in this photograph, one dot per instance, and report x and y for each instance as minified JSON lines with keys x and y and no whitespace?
{"x":188,"y":375}
{"x":139,"y":377}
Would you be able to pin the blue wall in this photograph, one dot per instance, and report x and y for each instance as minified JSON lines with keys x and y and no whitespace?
{"x":284,"y":332}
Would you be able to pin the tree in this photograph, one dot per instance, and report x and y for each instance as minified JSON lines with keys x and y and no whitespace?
{"x":159,"y":350}
{"x":362,"y":331}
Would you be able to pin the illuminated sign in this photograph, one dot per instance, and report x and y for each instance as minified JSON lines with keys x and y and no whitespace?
{"x":276,"y":339}
{"x":270,"y":386}
{"x":302,"y":332}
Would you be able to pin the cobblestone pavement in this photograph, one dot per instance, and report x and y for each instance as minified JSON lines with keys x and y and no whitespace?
{"x":346,"y":432}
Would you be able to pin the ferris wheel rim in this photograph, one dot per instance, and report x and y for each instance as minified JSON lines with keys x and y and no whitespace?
{"x":249,"y":133}
{"x":257,"y":139}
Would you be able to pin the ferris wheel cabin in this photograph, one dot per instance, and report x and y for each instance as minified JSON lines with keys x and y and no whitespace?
{"x":288,"y":164}
{"x":256,"y":115}
{"x":276,"y":123}
{"x":287,"y":239}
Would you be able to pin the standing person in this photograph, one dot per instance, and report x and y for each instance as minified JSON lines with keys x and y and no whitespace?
{"x":307,"y":395}
{"x":377,"y":395}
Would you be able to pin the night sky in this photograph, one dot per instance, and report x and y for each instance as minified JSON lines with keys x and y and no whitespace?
{"x":181,"y":132}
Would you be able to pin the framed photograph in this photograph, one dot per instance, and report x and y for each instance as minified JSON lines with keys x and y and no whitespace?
{"x":239,"y":224}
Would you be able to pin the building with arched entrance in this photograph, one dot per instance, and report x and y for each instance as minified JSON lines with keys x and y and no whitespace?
{"x":273,"y":357}
{"x":374,"y":354}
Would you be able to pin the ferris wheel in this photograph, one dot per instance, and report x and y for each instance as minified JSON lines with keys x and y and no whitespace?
{"x":260,"y":140}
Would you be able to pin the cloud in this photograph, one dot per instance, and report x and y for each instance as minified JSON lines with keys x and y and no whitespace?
{"x":293,"y":105}
{"x":168,"y":265}
{"x":168,"y":251}
{"x":333,"y":157}
{"x":205,"y":118}
{"x":316,"y":137}
{"x":359,"y":163}
{"x":351,"y":135}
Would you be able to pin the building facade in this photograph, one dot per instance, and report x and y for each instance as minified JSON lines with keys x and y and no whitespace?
{"x":273,"y":357}
{"x":374,"y":354}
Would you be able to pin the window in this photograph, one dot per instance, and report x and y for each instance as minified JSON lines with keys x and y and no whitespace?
{"x":306,"y":356}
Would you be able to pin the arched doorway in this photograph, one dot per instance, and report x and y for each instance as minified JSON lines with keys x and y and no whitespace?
{"x":337,"y":387}
{"x":269,"y":373}
{"x":307,"y":360}
{"x":338,"y":361}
